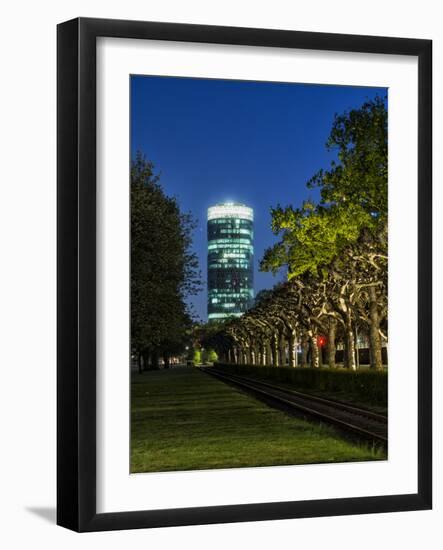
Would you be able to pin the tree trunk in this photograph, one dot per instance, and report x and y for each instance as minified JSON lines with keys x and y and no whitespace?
{"x":350,"y":346}
{"x":275,"y":362}
{"x":357,"y":351}
{"x":291,"y":350}
{"x":268,"y":353}
{"x":315,"y":358}
{"x":166,"y":360}
{"x":282,"y":351}
{"x":374,"y":334}
{"x":304,"y":353}
{"x":331,"y":343}
{"x":139,"y":362}
{"x":262,"y":354}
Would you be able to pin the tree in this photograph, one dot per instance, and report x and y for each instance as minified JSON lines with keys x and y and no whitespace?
{"x":335,"y":253}
{"x":164,"y":271}
{"x":368,"y":262}
{"x":312,"y":236}
{"x":343,"y":239}
{"x":353,"y":196}
{"x":360,"y":176}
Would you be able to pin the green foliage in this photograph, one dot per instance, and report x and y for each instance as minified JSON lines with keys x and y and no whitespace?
{"x":368,"y":386}
{"x":312,"y":236}
{"x":163,"y":269}
{"x":360,"y":176}
{"x":353,"y":197}
{"x":204,"y":355}
{"x":209,"y":356}
{"x":335,"y":256}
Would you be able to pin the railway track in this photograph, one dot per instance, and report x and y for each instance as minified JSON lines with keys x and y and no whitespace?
{"x":360,"y":422}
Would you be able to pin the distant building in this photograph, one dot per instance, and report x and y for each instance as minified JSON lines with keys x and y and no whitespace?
{"x":230,"y":260}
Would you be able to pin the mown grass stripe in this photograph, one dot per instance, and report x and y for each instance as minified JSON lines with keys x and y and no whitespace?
{"x":182,"y":419}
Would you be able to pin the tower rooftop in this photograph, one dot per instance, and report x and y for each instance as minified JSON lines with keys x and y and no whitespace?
{"x":230,"y":210}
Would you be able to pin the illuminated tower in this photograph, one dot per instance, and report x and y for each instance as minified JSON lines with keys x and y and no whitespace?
{"x":230,"y":260}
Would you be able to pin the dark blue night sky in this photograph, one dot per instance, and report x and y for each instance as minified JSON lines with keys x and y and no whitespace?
{"x":252,"y":142}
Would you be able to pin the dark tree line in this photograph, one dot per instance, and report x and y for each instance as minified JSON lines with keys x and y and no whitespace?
{"x":335,"y":252}
{"x":164,"y":270}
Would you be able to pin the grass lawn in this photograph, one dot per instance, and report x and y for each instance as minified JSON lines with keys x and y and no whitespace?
{"x":183,"y":419}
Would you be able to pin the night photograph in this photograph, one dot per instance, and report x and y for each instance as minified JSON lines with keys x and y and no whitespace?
{"x":259,"y":268}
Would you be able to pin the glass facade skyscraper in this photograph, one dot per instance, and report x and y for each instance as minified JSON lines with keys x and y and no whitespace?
{"x":230,"y":260}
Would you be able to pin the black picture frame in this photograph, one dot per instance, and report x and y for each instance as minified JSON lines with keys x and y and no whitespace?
{"x":76,"y":265}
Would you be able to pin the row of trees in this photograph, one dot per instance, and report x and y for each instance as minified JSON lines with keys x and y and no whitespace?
{"x":164,"y":271}
{"x":335,"y":253}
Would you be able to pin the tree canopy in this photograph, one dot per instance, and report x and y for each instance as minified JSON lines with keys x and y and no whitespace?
{"x":335,"y":254}
{"x":360,"y":175}
{"x":164,"y":270}
{"x":353,"y":195}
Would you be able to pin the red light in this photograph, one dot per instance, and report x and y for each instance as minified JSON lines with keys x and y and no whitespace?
{"x":321,"y":341}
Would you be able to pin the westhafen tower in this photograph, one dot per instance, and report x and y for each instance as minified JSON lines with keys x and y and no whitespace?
{"x":230,"y":260}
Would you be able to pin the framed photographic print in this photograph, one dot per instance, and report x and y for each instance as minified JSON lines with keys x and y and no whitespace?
{"x":244,"y":274}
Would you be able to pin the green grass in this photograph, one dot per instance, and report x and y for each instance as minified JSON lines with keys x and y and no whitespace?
{"x":183,"y":419}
